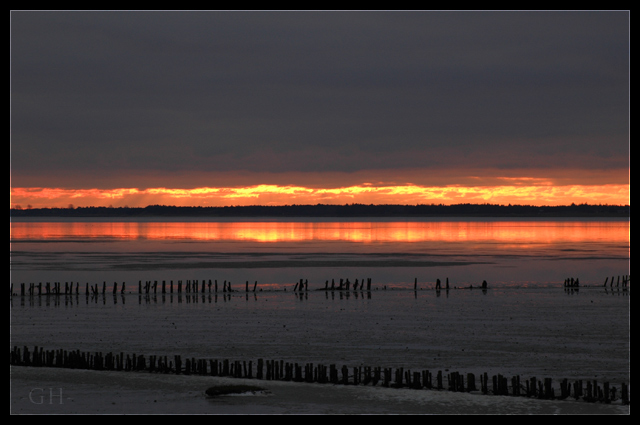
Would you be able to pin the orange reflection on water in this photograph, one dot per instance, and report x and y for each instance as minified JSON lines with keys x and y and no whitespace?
{"x":360,"y":232}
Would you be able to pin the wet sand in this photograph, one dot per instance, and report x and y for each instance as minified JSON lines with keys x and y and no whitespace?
{"x":58,"y":391}
{"x":544,"y":332}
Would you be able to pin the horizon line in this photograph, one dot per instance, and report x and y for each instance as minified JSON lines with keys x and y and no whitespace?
{"x":355,"y":204}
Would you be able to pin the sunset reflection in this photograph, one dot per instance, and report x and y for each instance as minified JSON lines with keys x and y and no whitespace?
{"x":533,"y":232}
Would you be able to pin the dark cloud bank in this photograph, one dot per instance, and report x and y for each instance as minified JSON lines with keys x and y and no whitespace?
{"x":109,"y":94}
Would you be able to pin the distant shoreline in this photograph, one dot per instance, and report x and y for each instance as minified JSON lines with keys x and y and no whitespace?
{"x":344,"y":211}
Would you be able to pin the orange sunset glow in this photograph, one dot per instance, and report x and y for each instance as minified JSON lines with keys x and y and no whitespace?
{"x":536,"y":195}
{"x":506,"y":232}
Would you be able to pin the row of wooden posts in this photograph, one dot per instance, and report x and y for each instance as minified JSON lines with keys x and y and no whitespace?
{"x":571,"y":282}
{"x":196,"y":287}
{"x":625,"y":281}
{"x":189,"y":286}
{"x":589,"y":390}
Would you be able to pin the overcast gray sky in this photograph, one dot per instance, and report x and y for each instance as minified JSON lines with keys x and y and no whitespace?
{"x":124,"y":99}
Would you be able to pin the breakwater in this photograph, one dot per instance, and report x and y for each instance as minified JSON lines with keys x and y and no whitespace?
{"x":266,"y":369}
{"x":212,"y":286}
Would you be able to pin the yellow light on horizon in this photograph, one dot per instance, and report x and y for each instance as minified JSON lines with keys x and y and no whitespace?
{"x":515,"y":194}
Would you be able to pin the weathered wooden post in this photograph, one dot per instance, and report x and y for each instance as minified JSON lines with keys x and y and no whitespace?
{"x":471,"y":382}
{"x":624,"y":394}
{"x":333,"y":374}
{"x":178,"y":362}
{"x":515,"y":388}
{"x":565,"y":389}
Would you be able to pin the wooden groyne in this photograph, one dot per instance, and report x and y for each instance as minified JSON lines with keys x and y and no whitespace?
{"x":169,"y":287}
{"x":624,"y":283}
{"x":587,"y":390}
{"x":572,"y":285}
{"x":211,"y":286}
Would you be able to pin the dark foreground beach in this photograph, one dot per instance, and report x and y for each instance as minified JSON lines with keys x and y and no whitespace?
{"x":529,"y":332}
{"x":68,"y":391}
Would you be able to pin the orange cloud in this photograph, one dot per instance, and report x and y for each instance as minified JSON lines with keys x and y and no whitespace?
{"x":522,"y":191}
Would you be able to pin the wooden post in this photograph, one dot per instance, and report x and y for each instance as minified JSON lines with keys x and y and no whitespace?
{"x":624,"y":394}
{"x":333,"y":374}
{"x":471,"y":382}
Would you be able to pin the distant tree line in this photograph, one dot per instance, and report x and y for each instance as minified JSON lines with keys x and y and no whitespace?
{"x":322,"y":210}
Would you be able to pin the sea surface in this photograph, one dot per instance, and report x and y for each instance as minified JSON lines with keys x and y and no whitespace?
{"x":277,"y":253}
{"x":526,"y":322}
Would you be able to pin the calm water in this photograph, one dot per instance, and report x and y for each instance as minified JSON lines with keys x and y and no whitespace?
{"x":538,"y":331}
{"x":280,"y":252}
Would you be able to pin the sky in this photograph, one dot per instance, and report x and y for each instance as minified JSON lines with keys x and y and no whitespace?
{"x":209,"y":108}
